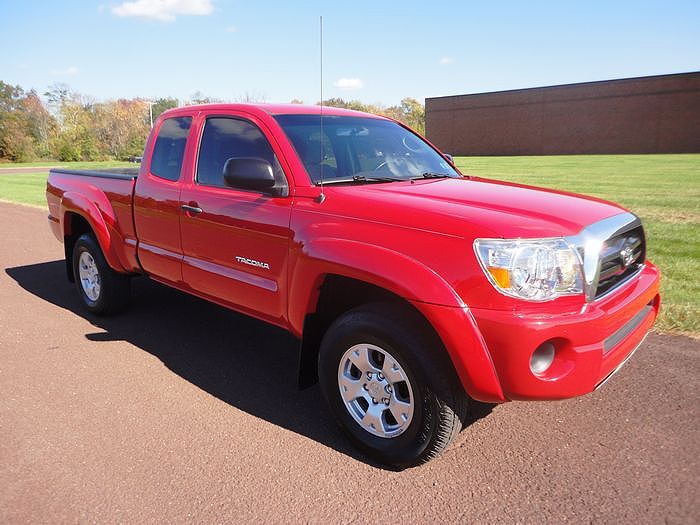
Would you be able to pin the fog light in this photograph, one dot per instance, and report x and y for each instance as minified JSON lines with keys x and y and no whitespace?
{"x":542,"y":358}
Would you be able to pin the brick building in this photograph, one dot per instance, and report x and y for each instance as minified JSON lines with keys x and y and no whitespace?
{"x":657,"y":114}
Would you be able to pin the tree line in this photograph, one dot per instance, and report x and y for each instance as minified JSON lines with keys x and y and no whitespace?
{"x":68,"y":126}
{"x":410,"y":111}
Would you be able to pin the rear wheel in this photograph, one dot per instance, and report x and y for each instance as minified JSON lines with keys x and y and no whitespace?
{"x":390,"y":385}
{"x":101,"y":289}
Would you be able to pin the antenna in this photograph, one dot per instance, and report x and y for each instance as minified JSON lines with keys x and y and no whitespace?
{"x":322,"y":196}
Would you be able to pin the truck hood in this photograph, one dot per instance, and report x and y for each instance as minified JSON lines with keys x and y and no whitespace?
{"x":488,"y":207}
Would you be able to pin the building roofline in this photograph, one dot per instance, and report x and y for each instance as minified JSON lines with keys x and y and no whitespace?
{"x":575,"y":84}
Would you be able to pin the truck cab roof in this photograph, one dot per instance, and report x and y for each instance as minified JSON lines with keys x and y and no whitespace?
{"x":272,"y":109}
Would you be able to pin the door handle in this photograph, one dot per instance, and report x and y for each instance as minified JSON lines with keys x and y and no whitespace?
{"x":191,"y":209}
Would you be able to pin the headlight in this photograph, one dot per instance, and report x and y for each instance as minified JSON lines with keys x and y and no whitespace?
{"x":531,"y":269}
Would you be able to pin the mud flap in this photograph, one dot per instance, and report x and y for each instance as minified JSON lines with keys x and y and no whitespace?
{"x":308,"y":351}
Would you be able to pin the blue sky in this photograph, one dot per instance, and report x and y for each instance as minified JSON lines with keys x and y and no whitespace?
{"x":378,"y":52}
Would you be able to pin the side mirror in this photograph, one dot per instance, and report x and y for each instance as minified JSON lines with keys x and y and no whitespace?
{"x":249,"y":173}
{"x":448,"y":157}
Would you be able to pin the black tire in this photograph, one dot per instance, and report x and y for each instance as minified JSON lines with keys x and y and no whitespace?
{"x":440,"y":405}
{"x":114,"y":288}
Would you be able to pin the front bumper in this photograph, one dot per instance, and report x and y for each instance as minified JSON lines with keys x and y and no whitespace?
{"x":591,"y":340}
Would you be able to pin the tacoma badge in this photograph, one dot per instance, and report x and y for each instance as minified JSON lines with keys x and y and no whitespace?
{"x":253,"y":262}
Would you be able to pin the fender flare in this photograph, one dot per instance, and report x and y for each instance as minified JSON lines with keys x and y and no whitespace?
{"x":408,"y":278}
{"x":377,"y":265}
{"x":101,"y":219}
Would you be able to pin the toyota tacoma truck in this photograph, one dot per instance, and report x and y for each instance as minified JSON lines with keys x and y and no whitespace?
{"x":413,"y":289}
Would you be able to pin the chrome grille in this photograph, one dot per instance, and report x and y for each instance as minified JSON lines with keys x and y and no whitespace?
{"x":621,"y":257}
{"x":612,"y":251}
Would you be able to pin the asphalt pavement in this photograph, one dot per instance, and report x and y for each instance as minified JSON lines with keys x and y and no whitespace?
{"x":181,"y":411}
{"x":15,"y":171}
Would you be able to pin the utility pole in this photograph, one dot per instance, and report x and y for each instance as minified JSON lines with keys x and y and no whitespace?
{"x":150,"y":110}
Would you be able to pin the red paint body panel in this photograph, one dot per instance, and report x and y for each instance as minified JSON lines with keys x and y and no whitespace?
{"x":106,"y":205}
{"x":412,"y":238}
{"x":467,"y":349}
{"x":580,"y":363}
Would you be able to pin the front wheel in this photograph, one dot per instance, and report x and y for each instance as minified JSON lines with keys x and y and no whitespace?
{"x":101,"y":289}
{"x":390,"y":385}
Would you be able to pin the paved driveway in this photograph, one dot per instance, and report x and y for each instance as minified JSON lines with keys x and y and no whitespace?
{"x":14,"y":171}
{"x":180,"y":411}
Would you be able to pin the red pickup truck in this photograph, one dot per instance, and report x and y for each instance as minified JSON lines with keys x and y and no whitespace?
{"x":412,"y":288}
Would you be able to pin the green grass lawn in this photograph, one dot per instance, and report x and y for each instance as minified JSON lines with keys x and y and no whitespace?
{"x":28,"y":188}
{"x":664,"y":190}
{"x":25,"y":188}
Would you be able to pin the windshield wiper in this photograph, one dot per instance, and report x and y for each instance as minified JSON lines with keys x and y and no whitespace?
{"x":433,"y":175}
{"x":358,"y":179}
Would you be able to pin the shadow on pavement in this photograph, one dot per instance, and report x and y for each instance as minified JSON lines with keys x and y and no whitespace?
{"x":249,"y":364}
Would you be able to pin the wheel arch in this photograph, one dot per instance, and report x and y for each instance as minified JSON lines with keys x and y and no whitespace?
{"x":75,"y":225}
{"x":338,"y":269}
{"x":336,"y":295}
{"x":381,"y":267}
{"x":81,"y":215}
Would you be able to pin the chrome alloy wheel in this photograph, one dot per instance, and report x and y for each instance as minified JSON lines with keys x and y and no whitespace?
{"x":89,"y":276}
{"x":376,"y":390}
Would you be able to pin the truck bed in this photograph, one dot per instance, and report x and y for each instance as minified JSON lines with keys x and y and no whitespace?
{"x":103,"y":199}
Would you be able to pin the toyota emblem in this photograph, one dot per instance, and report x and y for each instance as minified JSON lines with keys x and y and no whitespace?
{"x":627,"y":256}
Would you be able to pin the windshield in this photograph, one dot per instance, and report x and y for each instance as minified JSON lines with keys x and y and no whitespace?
{"x":361,"y":149}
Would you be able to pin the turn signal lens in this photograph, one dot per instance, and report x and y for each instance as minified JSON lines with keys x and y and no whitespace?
{"x":501,"y":276}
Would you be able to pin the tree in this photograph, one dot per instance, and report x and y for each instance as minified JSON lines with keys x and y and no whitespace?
{"x":200,"y":98}
{"x":251,"y":97}
{"x":57,"y":93}
{"x":354,"y":105}
{"x":15,"y":143}
{"x":41,"y":125}
{"x":336,"y":103}
{"x":120,"y":127}
{"x":163,"y":104}
{"x":410,"y":112}
{"x":72,"y":126}
{"x":9,"y":97}
{"x":55,"y":96}
{"x":76,"y":138}
{"x":25,"y":125}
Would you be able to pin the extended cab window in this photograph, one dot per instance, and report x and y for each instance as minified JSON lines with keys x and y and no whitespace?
{"x":225,"y":138}
{"x":166,"y":161}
